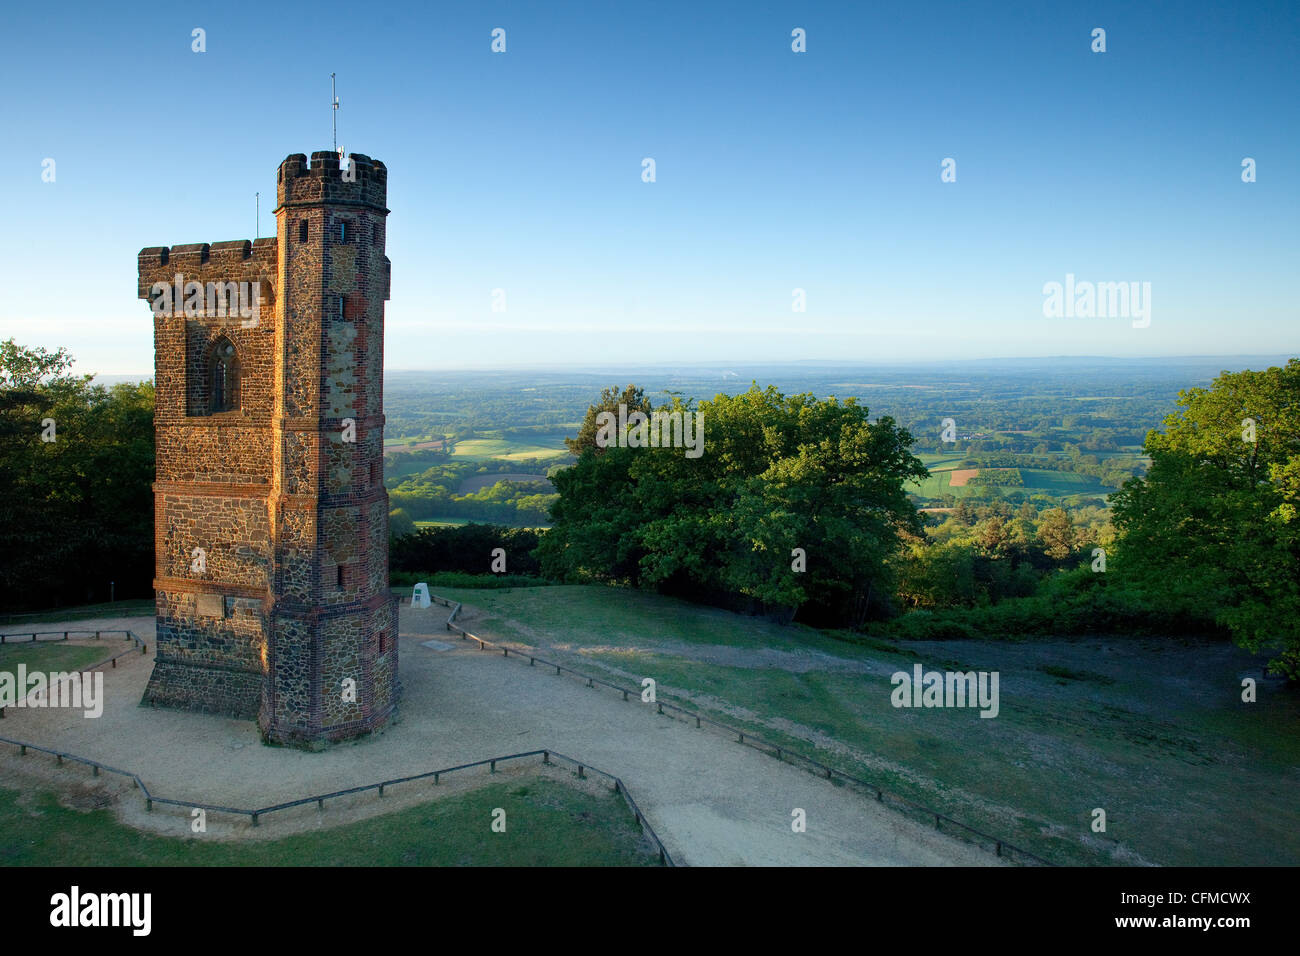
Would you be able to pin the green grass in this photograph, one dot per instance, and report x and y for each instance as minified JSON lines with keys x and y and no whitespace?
{"x":18,"y":623}
{"x":1188,"y":774}
{"x":403,"y":582}
{"x":50,"y":656}
{"x":935,"y":486}
{"x":939,"y":462}
{"x":604,"y":614}
{"x":547,"y":824}
{"x":1062,"y":484}
{"x":403,"y":442}
{"x":507,"y":449}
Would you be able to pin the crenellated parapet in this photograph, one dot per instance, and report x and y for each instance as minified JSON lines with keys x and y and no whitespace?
{"x":238,"y":260}
{"x":364,"y":183}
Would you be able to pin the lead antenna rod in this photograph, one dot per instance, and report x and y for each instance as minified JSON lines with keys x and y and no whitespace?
{"x":257,"y":215}
{"x":335,"y":96}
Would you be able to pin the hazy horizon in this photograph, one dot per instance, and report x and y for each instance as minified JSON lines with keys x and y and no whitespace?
{"x":723,"y":367}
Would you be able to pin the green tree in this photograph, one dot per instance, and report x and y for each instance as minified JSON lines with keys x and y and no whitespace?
{"x":992,"y":536}
{"x":1056,"y":532}
{"x":939,"y":575}
{"x":1213,"y":525}
{"x":610,"y":399}
{"x":76,"y":502}
{"x":400,"y":523}
{"x":777,"y":474}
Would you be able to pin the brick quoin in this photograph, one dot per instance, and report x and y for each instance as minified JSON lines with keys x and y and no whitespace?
{"x":292,"y":600}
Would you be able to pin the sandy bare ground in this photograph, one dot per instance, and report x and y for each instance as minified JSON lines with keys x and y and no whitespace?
{"x":711,"y":800}
{"x":958,"y":477}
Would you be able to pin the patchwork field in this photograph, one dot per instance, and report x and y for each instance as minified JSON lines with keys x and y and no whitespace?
{"x":507,"y":449}
{"x":1152,"y":731}
{"x":944,"y":478}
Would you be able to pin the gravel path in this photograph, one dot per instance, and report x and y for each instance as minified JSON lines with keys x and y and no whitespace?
{"x":711,"y":800}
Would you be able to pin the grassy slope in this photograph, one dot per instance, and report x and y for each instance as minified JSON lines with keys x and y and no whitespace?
{"x":31,"y":622}
{"x":547,"y":824}
{"x":1153,"y":732}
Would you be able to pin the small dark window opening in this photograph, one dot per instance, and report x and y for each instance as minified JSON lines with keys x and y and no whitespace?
{"x":383,"y":641}
{"x":341,"y":577}
{"x":302,"y":230}
{"x":343,"y":231}
{"x":342,"y":312}
{"x":225,"y":378}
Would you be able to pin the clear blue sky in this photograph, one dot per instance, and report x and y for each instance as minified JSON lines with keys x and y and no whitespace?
{"x":775,"y":170}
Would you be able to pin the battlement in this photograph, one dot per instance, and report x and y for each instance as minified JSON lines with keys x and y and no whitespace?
{"x":323,"y":181}
{"x":233,"y":261}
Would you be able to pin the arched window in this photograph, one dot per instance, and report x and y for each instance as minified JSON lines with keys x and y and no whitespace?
{"x":224,"y":396}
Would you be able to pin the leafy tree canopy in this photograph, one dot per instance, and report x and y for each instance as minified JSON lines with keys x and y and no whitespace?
{"x":76,"y":504}
{"x":1213,"y":526}
{"x":777,"y":473}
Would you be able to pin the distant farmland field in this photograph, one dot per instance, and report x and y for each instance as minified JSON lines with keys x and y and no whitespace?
{"x":508,"y":449}
{"x":1060,"y":484}
{"x":939,"y":462}
{"x":959,"y":477}
{"x":933,"y":486}
{"x":419,"y":443}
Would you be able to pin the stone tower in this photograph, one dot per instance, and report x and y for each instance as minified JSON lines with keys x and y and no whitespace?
{"x":271,"y":518}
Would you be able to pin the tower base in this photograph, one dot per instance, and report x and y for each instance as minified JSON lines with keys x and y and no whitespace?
{"x":309,"y":737}
{"x":210,"y":689}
